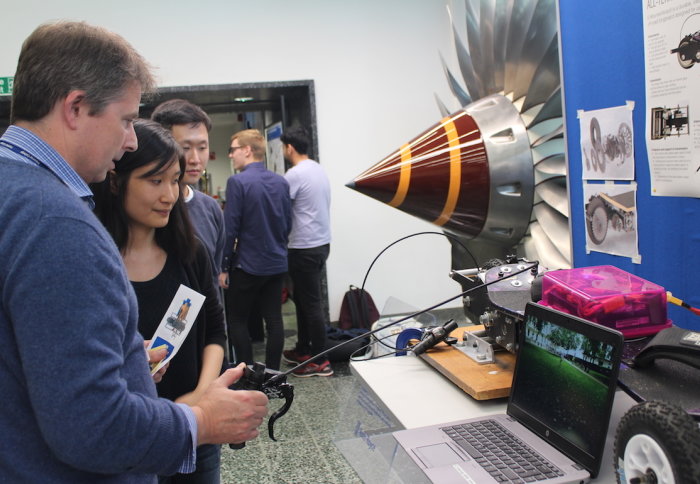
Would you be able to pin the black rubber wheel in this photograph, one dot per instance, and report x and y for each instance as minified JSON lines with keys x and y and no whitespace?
{"x":657,"y":442}
{"x":597,"y":220}
{"x":684,"y":60}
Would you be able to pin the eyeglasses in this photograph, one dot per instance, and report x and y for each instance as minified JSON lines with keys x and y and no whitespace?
{"x":233,"y":148}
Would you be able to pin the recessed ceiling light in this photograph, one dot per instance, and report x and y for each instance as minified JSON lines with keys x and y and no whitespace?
{"x":243,"y":99}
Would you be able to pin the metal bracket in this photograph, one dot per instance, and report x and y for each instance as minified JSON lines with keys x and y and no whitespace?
{"x":477,"y":348}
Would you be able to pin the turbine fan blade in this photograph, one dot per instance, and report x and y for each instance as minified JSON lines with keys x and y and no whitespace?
{"x":519,"y":21}
{"x":546,"y":78}
{"x":529,"y":249}
{"x":441,"y":106}
{"x":553,"y":192}
{"x":555,"y":146}
{"x":487,"y":16}
{"x":551,"y":109}
{"x":556,"y":226}
{"x":542,"y":29}
{"x":501,"y":25}
{"x":557,"y":133}
{"x":545,"y":251}
{"x":552,"y":165}
{"x":471,"y":80}
{"x":461,"y":95}
{"x":474,"y":45}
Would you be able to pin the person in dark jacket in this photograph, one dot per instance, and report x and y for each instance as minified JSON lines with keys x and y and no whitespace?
{"x":258,"y":218}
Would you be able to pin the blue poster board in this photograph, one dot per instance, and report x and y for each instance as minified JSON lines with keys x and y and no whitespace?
{"x":602,"y":45}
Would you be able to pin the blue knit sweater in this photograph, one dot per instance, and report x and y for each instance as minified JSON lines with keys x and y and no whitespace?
{"x":208,"y":220}
{"x":78,"y":404}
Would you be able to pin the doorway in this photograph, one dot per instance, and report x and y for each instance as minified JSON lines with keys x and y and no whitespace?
{"x":233,"y":107}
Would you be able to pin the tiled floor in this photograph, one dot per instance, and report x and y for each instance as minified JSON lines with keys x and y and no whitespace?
{"x":304,"y":452}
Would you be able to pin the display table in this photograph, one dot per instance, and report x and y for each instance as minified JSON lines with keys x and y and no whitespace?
{"x":394,"y":393}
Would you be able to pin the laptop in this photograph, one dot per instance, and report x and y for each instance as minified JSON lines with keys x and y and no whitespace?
{"x":558,"y":411}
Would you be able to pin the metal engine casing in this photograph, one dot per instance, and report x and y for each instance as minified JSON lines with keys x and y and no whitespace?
{"x":500,"y":306}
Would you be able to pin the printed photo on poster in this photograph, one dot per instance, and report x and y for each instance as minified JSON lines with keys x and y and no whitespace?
{"x":611,"y":219}
{"x":607,"y":143}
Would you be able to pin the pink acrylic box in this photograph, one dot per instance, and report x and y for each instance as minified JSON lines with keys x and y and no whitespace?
{"x":608,"y":296}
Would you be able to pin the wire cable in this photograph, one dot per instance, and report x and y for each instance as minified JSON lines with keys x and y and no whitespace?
{"x":449,"y":236}
{"x":679,"y":302}
{"x":400,"y":320}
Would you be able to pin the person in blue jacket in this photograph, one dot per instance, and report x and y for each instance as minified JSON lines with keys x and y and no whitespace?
{"x":258,"y":218}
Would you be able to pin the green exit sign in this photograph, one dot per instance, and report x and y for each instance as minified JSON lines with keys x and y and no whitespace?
{"x":6,"y":85}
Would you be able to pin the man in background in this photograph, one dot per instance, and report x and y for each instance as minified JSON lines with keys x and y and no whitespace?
{"x":79,"y":403}
{"x":309,"y":246}
{"x":257,"y":219}
{"x":190,"y":127}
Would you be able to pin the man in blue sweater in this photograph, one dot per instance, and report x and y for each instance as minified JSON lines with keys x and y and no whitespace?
{"x":79,"y":404}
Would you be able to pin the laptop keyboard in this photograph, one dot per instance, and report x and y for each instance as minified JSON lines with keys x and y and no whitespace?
{"x":500,"y":453}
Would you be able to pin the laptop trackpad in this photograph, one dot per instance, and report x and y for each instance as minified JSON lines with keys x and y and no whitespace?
{"x":437,"y":455}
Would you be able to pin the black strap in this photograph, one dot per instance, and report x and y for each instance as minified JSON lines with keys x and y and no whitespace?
{"x":360,"y":316}
{"x":352,"y":305}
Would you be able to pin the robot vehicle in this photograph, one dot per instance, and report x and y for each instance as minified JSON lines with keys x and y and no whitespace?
{"x":688,"y":50}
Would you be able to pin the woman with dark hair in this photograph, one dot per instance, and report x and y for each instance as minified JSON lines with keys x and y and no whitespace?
{"x":141,"y":206}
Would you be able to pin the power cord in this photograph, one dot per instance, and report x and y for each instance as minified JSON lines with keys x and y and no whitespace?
{"x":280,"y":376}
{"x":364,"y":280}
{"x":449,"y":236}
{"x":679,"y":302}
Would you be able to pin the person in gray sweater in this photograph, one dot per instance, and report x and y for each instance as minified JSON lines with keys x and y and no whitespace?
{"x":79,"y":403}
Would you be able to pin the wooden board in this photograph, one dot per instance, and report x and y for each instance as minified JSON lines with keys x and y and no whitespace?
{"x":482,"y":382}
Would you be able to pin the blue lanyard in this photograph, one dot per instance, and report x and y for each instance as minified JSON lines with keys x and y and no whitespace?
{"x":13,"y":147}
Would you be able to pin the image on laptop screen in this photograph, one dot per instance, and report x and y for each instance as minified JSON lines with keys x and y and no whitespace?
{"x":574,"y":395}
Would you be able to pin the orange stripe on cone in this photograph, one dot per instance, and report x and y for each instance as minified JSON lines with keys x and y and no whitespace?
{"x":455,"y":173}
{"x":404,"y":177}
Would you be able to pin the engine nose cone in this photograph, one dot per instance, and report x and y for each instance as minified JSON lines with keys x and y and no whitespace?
{"x":471,"y":173}
{"x":429,"y":176}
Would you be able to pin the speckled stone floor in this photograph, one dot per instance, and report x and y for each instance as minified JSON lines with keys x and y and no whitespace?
{"x":304,"y":452}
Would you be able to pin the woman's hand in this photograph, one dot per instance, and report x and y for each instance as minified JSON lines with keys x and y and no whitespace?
{"x":155,"y":356}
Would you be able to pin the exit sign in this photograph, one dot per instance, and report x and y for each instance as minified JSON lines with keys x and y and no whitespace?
{"x":6,"y":85}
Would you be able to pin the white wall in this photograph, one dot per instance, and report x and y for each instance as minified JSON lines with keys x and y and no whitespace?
{"x":376,"y":68}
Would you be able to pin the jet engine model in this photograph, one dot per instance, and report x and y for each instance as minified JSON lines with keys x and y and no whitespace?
{"x":492,"y":173}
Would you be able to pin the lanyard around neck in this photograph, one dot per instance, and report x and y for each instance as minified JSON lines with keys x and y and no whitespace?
{"x":22,"y":152}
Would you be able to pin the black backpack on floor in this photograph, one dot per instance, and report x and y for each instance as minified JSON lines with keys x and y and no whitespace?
{"x":357,"y":310}
{"x":357,"y":314}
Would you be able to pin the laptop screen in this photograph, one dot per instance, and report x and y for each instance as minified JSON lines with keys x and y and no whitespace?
{"x":564,"y":382}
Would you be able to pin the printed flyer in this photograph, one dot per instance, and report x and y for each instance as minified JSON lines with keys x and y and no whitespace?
{"x":672,"y":50}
